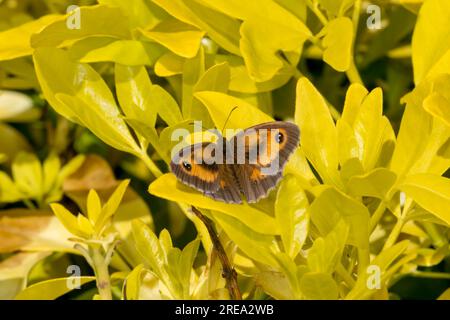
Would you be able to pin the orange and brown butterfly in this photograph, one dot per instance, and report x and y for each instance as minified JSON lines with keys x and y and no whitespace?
{"x":238,"y":173}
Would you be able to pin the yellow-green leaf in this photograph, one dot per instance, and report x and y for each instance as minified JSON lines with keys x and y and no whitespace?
{"x":49,"y":289}
{"x":255,"y":245}
{"x":180,"y":38}
{"x":265,"y":19}
{"x":338,"y":43}
{"x":168,"y":188}
{"x":292,"y":215}
{"x":220,"y":105}
{"x":318,"y":286}
{"x":431,"y":192}
{"x":77,"y":92}
{"x":96,"y":20}
{"x":375,"y":183}
{"x":108,"y":49}
{"x":431,"y":54}
{"x":16,"y":41}
{"x":68,"y":220}
{"x":319,"y":134}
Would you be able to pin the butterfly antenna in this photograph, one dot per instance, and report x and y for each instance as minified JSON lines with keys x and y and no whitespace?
{"x":228,"y":118}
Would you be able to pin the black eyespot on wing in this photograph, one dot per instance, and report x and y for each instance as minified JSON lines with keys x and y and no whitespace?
{"x":279,"y":137}
{"x":187,"y":165}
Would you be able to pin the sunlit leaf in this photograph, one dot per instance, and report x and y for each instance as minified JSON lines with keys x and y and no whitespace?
{"x":431,"y":192}
{"x":168,"y":188}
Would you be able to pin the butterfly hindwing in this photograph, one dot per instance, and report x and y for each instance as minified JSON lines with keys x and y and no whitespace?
{"x":229,"y":190}
{"x":254,"y":184}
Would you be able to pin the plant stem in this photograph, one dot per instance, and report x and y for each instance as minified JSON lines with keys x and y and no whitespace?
{"x":229,"y":274}
{"x":394,"y":234}
{"x":317,"y":12}
{"x":355,"y":17}
{"x":29,"y":204}
{"x":150,"y":165}
{"x":429,"y":275}
{"x":101,"y":273}
{"x":436,"y":237}
{"x":377,"y":215}
{"x":353,"y":74}
{"x":340,"y":270}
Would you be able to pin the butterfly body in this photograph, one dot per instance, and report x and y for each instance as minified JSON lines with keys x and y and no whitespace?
{"x":251,"y":163}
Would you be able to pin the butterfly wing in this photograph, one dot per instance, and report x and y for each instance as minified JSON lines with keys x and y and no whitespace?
{"x":228,"y":190}
{"x":254,"y":184}
{"x":191,"y":166}
{"x":265,"y":150}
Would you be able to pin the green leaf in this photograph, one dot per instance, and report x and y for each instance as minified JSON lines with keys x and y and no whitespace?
{"x":326,"y":252}
{"x":68,"y":220}
{"x":15,"y":271}
{"x":375,"y":183}
{"x":363,"y":131}
{"x":431,"y":192}
{"x":382,"y":261}
{"x":336,"y":7}
{"x":319,"y":134}
{"x":12,"y":142}
{"x":431,"y":55}
{"x":180,"y":38}
{"x":141,"y":13}
{"x":133,"y":88}
{"x":185,"y":265}
{"x":133,"y":283}
{"x":147,"y":244}
{"x":169,"y":64}
{"x":255,"y":245}
{"x":292,"y":215}
{"x":16,"y":41}
{"x":27,"y":173}
{"x":50,"y":171}
{"x":338,"y":43}
{"x":290,"y":269}
{"x":438,"y":106}
{"x":422,"y":139}
{"x":168,"y":188}
{"x":328,"y":209}
{"x":148,"y":134}
{"x":193,"y":69}
{"x":445,"y":295}
{"x":77,"y":92}
{"x":240,"y":80}
{"x":49,"y":289}
{"x":220,"y":105}
{"x":107,"y":49}
{"x":221,"y":28}
{"x":8,"y":190}
{"x":113,"y":202}
{"x":265,"y":19}
{"x":216,"y":78}
{"x":318,"y":286}
{"x":94,"y":206}
{"x":95,"y":21}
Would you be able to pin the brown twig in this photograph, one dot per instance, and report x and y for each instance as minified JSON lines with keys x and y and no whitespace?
{"x":229,"y":274}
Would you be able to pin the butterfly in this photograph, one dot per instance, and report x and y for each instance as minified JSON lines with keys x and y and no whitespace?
{"x":250,"y":163}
